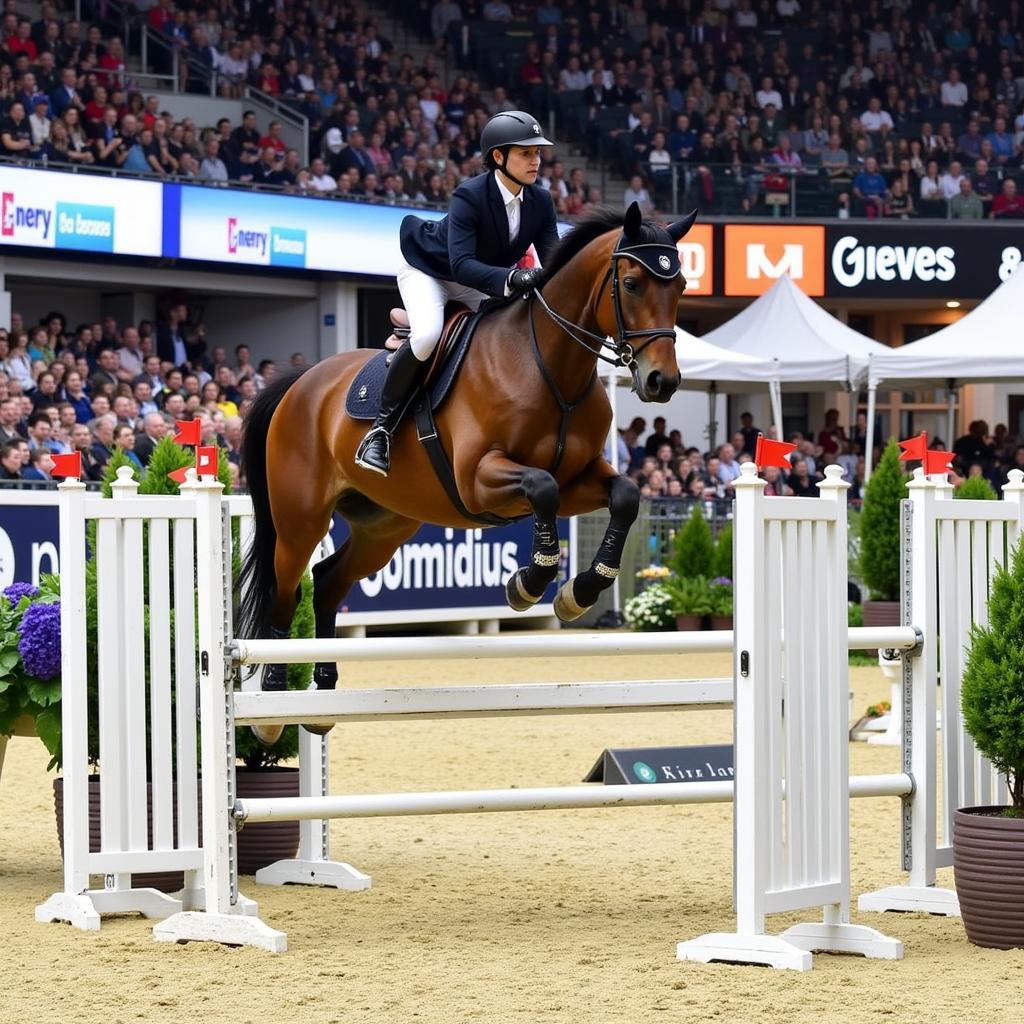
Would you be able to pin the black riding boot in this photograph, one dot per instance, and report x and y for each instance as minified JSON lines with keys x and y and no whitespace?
{"x":404,"y":373}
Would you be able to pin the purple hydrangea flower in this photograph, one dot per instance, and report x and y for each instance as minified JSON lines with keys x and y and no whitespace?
{"x":39,"y":645}
{"x":722,"y":581}
{"x":16,"y":591}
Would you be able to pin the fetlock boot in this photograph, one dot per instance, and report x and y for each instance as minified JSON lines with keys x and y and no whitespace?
{"x":404,"y":373}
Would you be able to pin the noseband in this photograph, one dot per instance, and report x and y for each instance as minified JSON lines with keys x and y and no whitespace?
{"x":624,"y":349}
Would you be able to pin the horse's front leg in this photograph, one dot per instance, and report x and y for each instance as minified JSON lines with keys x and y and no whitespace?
{"x":599,"y":484}
{"x":500,"y":482}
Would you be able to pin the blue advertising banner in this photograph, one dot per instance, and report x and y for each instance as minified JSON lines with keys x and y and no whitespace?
{"x":264,"y":229}
{"x":29,"y":536}
{"x":438,"y":569}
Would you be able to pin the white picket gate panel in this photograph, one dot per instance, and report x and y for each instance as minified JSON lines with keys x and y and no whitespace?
{"x":952,"y":550}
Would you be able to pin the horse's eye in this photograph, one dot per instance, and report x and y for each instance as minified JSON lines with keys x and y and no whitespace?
{"x":629,"y":283}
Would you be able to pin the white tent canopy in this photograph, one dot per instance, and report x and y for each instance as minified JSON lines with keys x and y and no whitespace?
{"x":808,"y":347}
{"x":985,"y":345}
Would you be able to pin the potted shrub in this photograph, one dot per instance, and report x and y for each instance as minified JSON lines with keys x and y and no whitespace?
{"x":976,"y":487}
{"x":691,"y":601}
{"x":880,"y":539}
{"x":988,"y":842}
{"x":30,"y":661}
{"x":721,"y":563}
{"x":720,"y":594}
{"x":693,"y":550}
{"x":650,"y":610}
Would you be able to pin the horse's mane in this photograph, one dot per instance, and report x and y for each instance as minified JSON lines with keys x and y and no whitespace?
{"x":595,"y":224}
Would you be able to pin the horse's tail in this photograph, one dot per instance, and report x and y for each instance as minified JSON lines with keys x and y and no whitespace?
{"x":257,"y":583}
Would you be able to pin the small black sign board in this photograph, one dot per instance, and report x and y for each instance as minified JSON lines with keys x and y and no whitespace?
{"x":648,"y":765}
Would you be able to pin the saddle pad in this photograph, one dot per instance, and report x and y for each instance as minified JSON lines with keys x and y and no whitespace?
{"x":363,"y":399}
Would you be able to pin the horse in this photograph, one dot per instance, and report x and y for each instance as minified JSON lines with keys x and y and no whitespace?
{"x":524,"y":428}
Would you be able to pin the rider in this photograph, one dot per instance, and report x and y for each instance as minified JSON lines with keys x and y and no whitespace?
{"x":466,"y":256}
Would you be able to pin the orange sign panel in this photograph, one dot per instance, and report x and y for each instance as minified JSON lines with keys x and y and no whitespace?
{"x":696,"y":258}
{"x":757,"y":255}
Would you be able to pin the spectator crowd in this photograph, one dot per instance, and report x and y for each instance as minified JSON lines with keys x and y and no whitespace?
{"x":98,"y":387}
{"x":889,"y":109}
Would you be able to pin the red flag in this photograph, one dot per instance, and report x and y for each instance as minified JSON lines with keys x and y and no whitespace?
{"x":937,"y":462}
{"x":206,"y":460}
{"x":178,"y":475}
{"x":67,"y":465}
{"x":772,"y":453}
{"x":914,"y":449}
{"x":188,"y":432}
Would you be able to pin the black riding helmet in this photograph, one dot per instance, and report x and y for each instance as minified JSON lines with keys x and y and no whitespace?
{"x":510,"y":128}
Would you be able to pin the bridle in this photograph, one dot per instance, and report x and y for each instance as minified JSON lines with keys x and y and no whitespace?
{"x":624,"y":350}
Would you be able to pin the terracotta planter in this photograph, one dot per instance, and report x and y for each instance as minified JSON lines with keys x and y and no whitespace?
{"x":988,"y":866}
{"x":258,"y":844}
{"x":721,"y":622}
{"x":881,"y":613}
{"x":689,"y":623}
{"x":264,"y":842}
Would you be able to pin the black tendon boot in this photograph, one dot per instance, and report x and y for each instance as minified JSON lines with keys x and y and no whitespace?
{"x":404,"y":373}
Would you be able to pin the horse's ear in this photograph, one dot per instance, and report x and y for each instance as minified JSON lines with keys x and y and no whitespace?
{"x":677,"y":230}
{"x":634,"y":218}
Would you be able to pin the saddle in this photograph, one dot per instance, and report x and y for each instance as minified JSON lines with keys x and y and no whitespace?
{"x":363,"y":399}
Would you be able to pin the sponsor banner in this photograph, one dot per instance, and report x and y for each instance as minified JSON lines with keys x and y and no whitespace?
{"x":437,"y":569}
{"x":697,"y":260}
{"x":445,"y":568}
{"x":259,"y":229}
{"x":80,"y":212}
{"x":921,"y":260}
{"x":757,"y":255}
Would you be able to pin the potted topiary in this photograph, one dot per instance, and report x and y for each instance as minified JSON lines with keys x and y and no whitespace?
{"x":691,"y":601}
{"x":976,"y":487}
{"x":880,"y":539}
{"x":650,"y":610}
{"x":721,"y":562}
{"x":693,"y":550}
{"x":988,"y":842}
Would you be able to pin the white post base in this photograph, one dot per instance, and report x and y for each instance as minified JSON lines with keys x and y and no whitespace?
{"x":228,"y":929}
{"x":911,"y":899}
{"x":844,"y":938}
{"x":729,"y":947}
{"x":893,"y":735}
{"x":85,"y":910}
{"x":793,"y":948}
{"x":314,"y":872}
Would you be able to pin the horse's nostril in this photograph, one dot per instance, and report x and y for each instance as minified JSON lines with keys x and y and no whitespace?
{"x":654,"y":380}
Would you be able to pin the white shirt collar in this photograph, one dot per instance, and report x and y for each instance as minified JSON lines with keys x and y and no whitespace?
{"x":506,"y":196}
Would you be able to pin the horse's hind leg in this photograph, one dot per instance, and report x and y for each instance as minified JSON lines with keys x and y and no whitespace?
{"x":375,"y":536}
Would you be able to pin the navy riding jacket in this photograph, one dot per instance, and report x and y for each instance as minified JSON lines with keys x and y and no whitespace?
{"x":470,"y":245}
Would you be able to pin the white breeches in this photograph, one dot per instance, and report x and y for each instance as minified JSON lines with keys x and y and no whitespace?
{"x":424,"y":298}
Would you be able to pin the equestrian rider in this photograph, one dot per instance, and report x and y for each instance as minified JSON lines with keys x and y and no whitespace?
{"x":467,"y":256}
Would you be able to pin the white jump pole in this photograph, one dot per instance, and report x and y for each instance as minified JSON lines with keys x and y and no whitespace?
{"x":563,"y":645}
{"x":557,"y":798}
{"x":869,"y":444}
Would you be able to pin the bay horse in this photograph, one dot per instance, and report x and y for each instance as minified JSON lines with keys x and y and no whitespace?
{"x":524,"y":428}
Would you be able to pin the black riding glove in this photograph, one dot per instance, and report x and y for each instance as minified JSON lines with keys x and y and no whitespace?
{"x":523,"y":280}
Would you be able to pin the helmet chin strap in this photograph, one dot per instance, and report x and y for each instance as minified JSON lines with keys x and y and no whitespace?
{"x":504,"y":169}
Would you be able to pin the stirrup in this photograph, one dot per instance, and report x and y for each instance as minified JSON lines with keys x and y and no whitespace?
{"x":365,"y":443}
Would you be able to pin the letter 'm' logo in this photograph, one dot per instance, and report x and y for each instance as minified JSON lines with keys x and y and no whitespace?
{"x":759,"y":265}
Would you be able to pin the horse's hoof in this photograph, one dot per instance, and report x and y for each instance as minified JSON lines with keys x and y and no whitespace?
{"x":518,"y":597}
{"x":565,"y":604}
{"x":319,"y":730}
{"x":268,"y":735}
